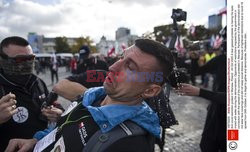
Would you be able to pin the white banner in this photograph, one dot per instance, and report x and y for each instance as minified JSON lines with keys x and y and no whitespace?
{"x":237,"y":76}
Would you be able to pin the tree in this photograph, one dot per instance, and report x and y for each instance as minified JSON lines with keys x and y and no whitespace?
{"x":149,"y":35}
{"x":201,"y":33}
{"x":83,"y":41}
{"x":61,"y":45}
{"x":163,"y":32}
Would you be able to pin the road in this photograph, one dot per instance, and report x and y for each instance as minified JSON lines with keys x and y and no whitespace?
{"x":191,"y":114}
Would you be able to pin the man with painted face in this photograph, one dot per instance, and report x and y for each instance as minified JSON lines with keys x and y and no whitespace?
{"x":20,"y":107}
{"x":103,"y":109}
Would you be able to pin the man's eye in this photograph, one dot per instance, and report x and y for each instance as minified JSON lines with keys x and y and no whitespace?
{"x":122,"y":57}
{"x":130,"y":67}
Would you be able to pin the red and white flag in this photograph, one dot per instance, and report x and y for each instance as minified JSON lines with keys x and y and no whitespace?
{"x":223,"y":11}
{"x":111,"y":51}
{"x":217,"y":42}
{"x":123,"y":46}
{"x":179,"y":46}
{"x":191,"y":30}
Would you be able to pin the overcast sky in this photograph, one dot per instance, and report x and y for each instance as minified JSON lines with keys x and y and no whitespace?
{"x":94,"y":18}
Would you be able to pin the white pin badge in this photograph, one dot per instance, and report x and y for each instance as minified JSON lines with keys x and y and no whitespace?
{"x":21,"y":116}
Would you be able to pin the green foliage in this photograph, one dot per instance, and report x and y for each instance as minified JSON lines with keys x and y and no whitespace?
{"x":83,"y":41}
{"x":201,"y":33}
{"x":164,"y":31}
{"x":61,"y":45}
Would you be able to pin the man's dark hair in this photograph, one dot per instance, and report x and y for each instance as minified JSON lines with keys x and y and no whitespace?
{"x":160,"y":103}
{"x":16,"y":40}
{"x":160,"y":51}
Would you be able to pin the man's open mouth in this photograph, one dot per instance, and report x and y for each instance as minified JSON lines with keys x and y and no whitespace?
{"x":109,"y":78}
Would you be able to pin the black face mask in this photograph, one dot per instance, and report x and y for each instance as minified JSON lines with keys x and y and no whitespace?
{"x":19,"y":79}
{"x":19,"y":65}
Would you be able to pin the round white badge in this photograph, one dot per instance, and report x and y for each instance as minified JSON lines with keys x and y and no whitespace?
{"x":21,"y":116}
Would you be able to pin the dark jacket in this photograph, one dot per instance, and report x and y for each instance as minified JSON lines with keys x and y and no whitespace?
{"x":91,"y":64}
{"x":215,"y":126}
{"x":27,"y":121}
{"x":77,"y":134}
{"x":92,"y":78}
{"x":78,"y":125}
{"x":216,"y":66}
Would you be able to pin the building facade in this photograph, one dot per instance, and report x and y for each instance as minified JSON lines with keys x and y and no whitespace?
{"x":123,"y":40}
{"x":41,"y":44}
{"x":36,"y":42}
{"x":105,"y":45}
{"x":215,"y":22}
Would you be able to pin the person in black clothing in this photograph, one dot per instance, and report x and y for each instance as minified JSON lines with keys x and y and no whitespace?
{"x":113,"y":106}
{"x":19,"y":92}
{"x":54,"y":69}
{"x":194,"y":66}
{"x":190,"y":90}
{"x":214,"y":133}
{"x":217,"y":66}
{"x":89,"y":63}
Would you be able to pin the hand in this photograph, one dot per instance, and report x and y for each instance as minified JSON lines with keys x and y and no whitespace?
{"x":7,"y":107}
{"x":188,"y":89}
{"x":52,"y":113}
{"x":21,"y":145}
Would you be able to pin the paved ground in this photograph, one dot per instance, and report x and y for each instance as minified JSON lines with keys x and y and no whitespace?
{"x":189,"y":111}
{"x":191,"y":114}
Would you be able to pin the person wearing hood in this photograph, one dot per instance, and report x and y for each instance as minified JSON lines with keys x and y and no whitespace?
{"x":87,"y":62}
{"x":20,"y":89}
{"x":137,"y":76}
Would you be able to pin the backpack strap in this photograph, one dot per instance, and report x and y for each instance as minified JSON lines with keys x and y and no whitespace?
{"x":101,"y":141}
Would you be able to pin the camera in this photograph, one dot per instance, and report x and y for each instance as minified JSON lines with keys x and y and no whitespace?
{"x":47,"y":101}
{"x":179,"y":15}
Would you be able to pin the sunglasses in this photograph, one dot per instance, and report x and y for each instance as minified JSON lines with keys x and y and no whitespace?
{"x":19,"y":58}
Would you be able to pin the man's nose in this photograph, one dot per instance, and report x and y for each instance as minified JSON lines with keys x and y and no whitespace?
{"x":116,"y":67}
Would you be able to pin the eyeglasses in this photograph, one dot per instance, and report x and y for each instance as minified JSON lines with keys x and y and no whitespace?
{"x":19,"y":58}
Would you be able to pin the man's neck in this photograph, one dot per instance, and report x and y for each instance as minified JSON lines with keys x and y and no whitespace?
{"x":107,"y":100}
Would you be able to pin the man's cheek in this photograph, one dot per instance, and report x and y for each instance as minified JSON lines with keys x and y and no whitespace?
{"x":120,"y":76}
{"x":131,"y":76}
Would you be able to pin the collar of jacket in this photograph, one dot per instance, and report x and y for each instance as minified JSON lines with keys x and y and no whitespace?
{"x":109,"y":116}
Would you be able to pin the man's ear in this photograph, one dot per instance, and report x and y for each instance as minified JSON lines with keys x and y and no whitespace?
{"x":152,"y":91}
